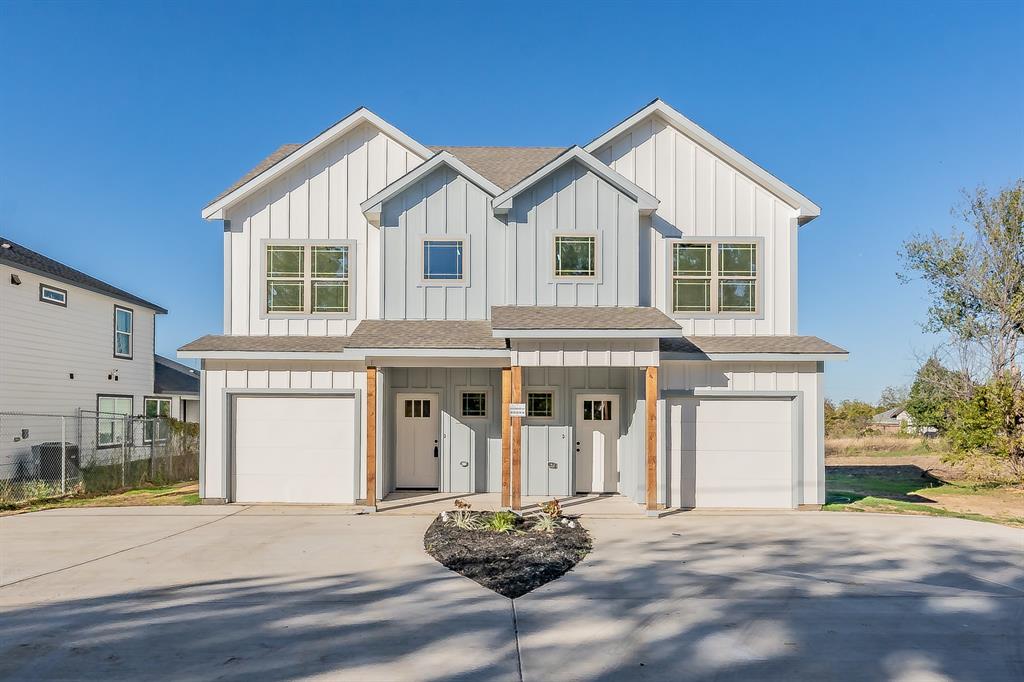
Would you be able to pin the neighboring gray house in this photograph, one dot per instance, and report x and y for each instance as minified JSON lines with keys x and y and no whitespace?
{"x":71,"y":342}
{"x":178,"y":383}
{"x":618,"y":317}
{"x":898,"y":420}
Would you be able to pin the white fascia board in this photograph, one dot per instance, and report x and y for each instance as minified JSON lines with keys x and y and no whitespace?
{"x":215,"y":210}
{"x":433,"y":352}
{"x":806,"y":209}
{"x":373,"y":206}
{"x":758,"y":357}
{"x":584,"y":333}
{"x":646,"y":201}
{"x":266,"y":355}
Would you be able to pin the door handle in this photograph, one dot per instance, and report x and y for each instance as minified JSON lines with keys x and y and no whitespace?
{"x":435,"y":451}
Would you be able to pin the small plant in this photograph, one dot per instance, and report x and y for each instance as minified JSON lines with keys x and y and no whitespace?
{"x":502,"y":522}
{"x":545,"y":523}
{"x":462,"y":517}
{"x":552,"y":508}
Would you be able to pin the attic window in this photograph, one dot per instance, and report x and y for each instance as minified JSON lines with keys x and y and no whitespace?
{"x":53,"y":295}
{"x":575,"y":256}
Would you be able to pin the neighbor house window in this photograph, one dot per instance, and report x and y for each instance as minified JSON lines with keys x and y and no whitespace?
{"x":575,"y":256}
{"x":714,"y":277}
{"x":123,"y":320}
{"x":48,"y":294}
{"x":443,"y":260}
{"x":474,"y":404}
{"x":157,"y":428}
{"x":110,"y":422}
{"x":308,"y":278}
{"x":540,"y":404}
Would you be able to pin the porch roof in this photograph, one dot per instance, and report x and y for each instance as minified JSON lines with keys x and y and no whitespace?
{"x":751,"y":347}
{"x":425,"y":334}
{"x":254,"y":347}
{"x":581,"y":321}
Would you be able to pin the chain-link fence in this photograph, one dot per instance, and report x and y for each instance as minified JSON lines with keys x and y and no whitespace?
{"x":49,"y":455}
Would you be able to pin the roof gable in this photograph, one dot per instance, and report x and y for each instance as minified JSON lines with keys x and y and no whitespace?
{"x":807,"y":209}
{"x":646,"y":201}
{"x":289,"y":156}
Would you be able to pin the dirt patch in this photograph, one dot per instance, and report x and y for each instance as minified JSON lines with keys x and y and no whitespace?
{"x":175,"y":494}
{"x":510,"y":563}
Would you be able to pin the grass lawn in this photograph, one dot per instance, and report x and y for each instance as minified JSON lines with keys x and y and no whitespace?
{"x":174,"y":494}
{"x":914,"y":480}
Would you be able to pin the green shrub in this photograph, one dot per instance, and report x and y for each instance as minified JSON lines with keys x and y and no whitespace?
{"x":502,"y":522}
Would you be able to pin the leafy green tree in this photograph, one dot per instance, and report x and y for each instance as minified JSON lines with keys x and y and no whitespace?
{"x":893,"y":396}
{"x":932,"y":395}
{"x":849,"y":418}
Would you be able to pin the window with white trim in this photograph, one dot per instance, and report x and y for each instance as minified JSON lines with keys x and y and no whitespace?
{"x":110,"y":422}
{"x":715,"y":277}
{"x":309,"y":279}
{"x":157,"y":428}
{"x":123,"y":331}
{"x":575,"y":256}
{"x":444,"y":260}
{"x":53,"y":295}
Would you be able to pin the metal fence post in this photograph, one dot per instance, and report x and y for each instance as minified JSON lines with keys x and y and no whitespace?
{"x":63,"y":457}
{"x":124,"y":451}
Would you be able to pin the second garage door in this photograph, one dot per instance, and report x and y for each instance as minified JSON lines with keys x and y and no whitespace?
{"x":731,"y":452}
{"x":294,"y":449}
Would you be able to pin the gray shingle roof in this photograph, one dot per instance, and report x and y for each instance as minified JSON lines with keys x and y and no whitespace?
{"x":172,"y":377}
{"x":441,"y":334}
{"x":580,"y":317}
{"x":749,"y":344}
{"x":274,"y":344}
{"x":504,"y":166}
{"x":23,"y":258}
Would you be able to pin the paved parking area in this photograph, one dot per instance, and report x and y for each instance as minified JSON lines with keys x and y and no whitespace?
{"x":287,"y":593}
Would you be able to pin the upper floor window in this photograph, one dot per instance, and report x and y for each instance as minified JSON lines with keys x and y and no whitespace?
{"x":48,"y":294}
{"x":123,"y":331}
{"x":575,"y":256}
{"x":715,"y":277}
{"x":307,"y":278}
{"x":444,"y":260}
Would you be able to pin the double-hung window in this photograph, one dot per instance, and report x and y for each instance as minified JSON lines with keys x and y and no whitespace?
{"x":123,"y":330}
{"x":444,"y":260}
{"x":308,"y":279}
{"x":575,"y":256}
{"x":110,"y":421}
{"x":158,"y":410}
{"x":715,"y":276}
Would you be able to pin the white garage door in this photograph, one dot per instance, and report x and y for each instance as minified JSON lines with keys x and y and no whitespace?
{"x":731,"y":452}
{"x":297,"y":449}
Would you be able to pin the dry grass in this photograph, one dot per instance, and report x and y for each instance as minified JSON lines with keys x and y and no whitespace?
{"x":881,"y":443}
{"x":175,"y":494}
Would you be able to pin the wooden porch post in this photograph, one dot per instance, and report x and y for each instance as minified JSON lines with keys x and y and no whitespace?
{"x":517,"y":437}
{"x":506,"y":432}
{"x":371,"y":436}
{"x":651,"y":399}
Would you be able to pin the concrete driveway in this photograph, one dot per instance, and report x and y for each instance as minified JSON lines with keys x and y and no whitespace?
{"x":284,"y":593}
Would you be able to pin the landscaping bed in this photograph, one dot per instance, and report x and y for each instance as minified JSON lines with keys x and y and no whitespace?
{"x":504,"y":552}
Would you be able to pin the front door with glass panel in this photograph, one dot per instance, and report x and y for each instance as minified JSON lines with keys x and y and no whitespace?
{"x":417,"y":448}
{"x":597,"y":443}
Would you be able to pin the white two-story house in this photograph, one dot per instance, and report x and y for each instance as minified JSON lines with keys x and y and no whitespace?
{"x":619,"y":317}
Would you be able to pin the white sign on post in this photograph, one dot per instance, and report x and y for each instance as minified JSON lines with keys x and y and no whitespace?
{"x":517,"y":409}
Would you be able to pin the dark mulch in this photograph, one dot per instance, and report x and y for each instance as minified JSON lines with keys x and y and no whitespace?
{"x":511,"y":564}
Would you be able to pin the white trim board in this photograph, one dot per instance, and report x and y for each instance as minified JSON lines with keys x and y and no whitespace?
{"x":807,"y":209}
{"x":585,"y":333}
{"x":215,"y":209}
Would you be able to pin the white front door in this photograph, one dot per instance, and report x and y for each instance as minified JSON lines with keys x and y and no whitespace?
{"x":597,"y":443}
{"x":417,"y":448}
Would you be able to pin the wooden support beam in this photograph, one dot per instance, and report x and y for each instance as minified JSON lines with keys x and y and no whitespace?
{"x":517,"y":444}
{"x":371,"y":436}
{"x":506,"y":433}
{"x":651,"y":399}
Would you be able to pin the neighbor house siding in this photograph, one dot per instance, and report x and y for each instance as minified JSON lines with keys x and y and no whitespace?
{"x":444,"y":204}
{"x":803,"y":377}
{"x":574,"y":200}
{"x":701,"y":195}
{"x":319,"y":199}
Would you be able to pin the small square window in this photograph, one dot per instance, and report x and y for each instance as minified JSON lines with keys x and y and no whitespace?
{"x":48,"y":294}
{"x":443,"y":259}
{"x":575,"y":256}
{"x":540,"y":404}
{"x":474,"y":404}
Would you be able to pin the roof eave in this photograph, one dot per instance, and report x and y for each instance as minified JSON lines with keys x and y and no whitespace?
{"x":130,"y":299}
{"x":555,"y":333}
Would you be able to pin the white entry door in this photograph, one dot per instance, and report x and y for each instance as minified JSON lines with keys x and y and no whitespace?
{"x":417,"y":448}
{"x":597,"y":443}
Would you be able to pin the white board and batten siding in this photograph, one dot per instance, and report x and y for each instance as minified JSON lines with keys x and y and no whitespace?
{"x":44,"y":344}
{"x":319,"y":199}
{"x":746,"y":379}
{"x":701,"y":195}
{"x":219,"y":375}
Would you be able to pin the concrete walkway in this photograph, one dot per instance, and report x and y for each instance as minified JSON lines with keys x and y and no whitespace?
{"x":286,"y":593}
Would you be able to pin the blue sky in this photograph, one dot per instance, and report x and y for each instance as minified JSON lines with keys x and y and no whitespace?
{"x":118,"y":122}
